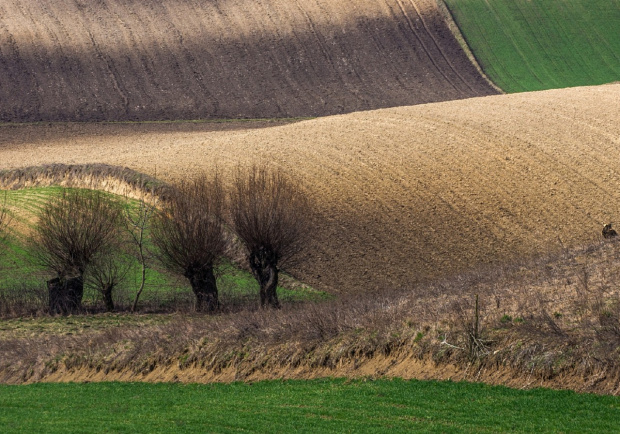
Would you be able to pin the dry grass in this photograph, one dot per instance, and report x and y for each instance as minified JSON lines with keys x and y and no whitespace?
{"x":113,"y":179}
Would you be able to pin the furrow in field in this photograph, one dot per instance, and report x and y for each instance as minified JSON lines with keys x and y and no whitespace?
{"x":70,"y":60}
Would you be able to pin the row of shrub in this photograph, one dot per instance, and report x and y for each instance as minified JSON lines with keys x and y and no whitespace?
{"x":82,"y":236}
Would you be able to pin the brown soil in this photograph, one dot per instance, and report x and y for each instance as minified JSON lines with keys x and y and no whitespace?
{"x":405,"y":367}
{"x":405,"y":194}
{"x":72,"y":60}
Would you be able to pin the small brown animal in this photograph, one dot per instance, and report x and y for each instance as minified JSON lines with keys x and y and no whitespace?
{"x":608,"y":232}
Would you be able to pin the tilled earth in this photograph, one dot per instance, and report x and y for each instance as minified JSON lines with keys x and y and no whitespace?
{"x":71,"y":60}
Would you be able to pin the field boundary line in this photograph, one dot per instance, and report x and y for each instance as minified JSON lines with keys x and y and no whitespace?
{"x":436,"y":43}
{"x":458,"y":35}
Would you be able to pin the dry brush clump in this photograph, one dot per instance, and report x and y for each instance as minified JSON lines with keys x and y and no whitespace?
{"x":432,"y":322}
{"x":549,"y":317}
{"x":310,"y":334}
{"x":113,"y":179}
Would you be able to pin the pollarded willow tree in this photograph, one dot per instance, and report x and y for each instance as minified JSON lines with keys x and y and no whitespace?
{"x":75,"y":229}
{"x":188,"y":232}
{"x":271,"y":215}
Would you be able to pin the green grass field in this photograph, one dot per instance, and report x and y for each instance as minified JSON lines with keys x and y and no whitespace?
{"x":301,"y":406}
{"x":528,"y":45}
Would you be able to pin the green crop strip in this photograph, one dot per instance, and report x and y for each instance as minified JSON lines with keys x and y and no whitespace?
{"x":301,"y":406}
{"x":528,"y":45}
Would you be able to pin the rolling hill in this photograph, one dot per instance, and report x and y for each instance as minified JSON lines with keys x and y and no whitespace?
{"x":404,"y":194}
{"x":73,"y":60}
{"x":528,"y":45}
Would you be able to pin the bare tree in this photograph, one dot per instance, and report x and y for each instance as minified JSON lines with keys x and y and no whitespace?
{"x":271,"y":215}
{"x":105,"y":274}
{"x":74,"y":229}
{"x":137,"y":223}
{"x":189,"y":235}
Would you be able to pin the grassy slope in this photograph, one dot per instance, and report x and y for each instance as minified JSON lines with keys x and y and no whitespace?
{"x":526,"y":45}
{"x":314,"y":406}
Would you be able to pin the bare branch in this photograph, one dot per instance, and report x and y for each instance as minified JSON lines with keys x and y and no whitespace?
{"x":137,"y":223}
{"x":271,"y":215}
{"x":5,"y":220}
{"x":189,"y":235}
{"x":106,"y":274}
{"x":74,"y":229}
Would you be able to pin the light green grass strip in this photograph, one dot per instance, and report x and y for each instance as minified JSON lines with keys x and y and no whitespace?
{"x":528,"y":45}
{"x":301,"y":406}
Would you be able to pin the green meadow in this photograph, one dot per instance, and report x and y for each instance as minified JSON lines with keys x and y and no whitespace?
{"x":301,"y":406}
{"x":528,"y":45}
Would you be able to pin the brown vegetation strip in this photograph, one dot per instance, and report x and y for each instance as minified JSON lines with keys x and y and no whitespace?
{"x":554,"y":322}
{"x":404,"y":194}
{"x":114,"y":179}
{"x":181,"y":59}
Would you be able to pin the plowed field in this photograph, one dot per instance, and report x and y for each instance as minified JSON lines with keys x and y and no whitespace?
{"x":405,"y":193}
{"x":80,"y":60}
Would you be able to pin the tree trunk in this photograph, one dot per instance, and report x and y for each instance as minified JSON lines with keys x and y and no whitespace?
{"x":142,"y":282}
{"x":265,"y":270}
{"x":268,"y":287}
{"x":65,"y":294}
{"x":107,"y":298}
{"x":204,"y":287}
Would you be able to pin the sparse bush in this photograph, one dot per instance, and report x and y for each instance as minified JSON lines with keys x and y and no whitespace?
{"x":189,"y":234}
{"x":137,"y":224}
{"x":75,"y":229}
{"x":505,"y":319}
{"x":271,"y":215}
{"x":105,"y":275}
